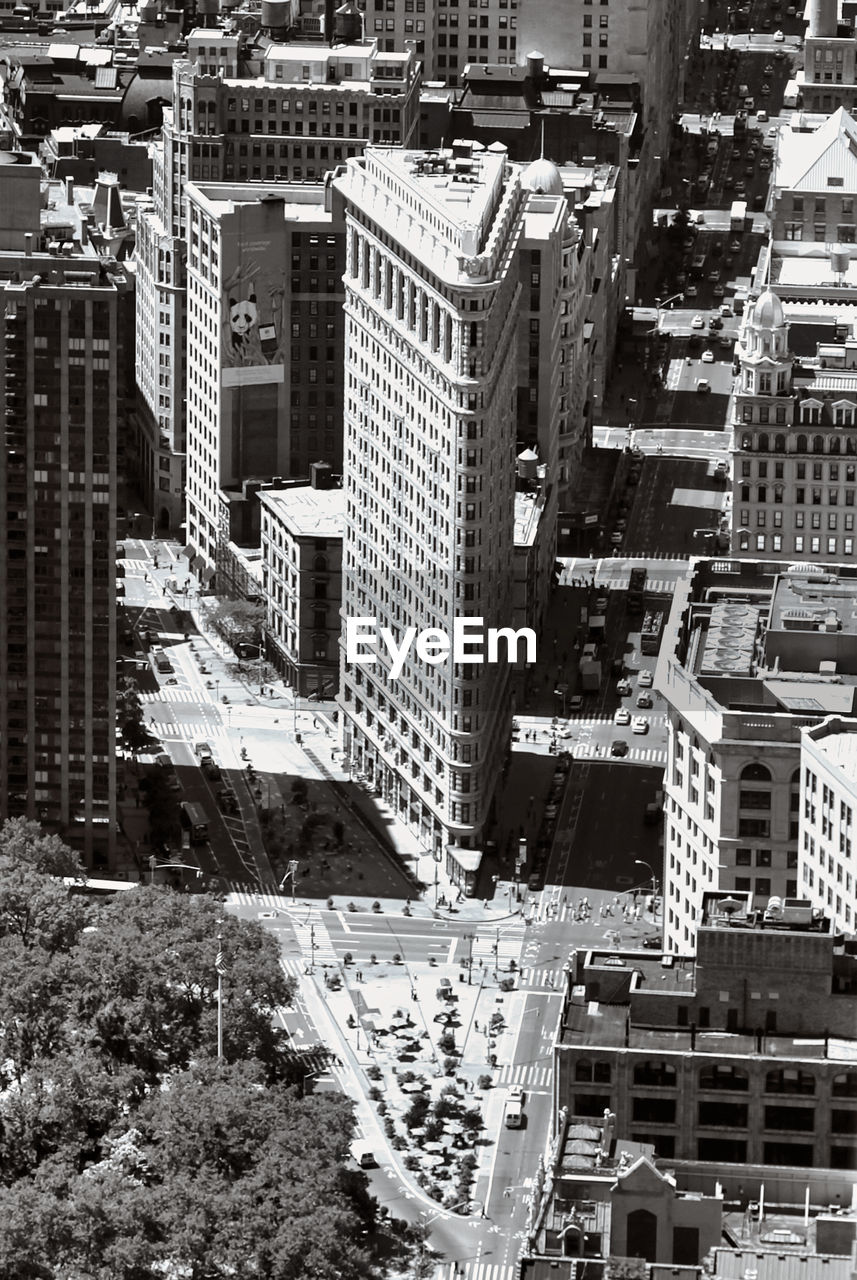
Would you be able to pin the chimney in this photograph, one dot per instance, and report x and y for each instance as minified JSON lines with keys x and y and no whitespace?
{"x":69,"y":190}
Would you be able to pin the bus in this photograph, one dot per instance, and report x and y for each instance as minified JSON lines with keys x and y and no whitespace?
{"x":652,"y":631}
{"x":738,"y":215}
{"x":195,"y":821}
{"x":636,"y":587}
{"x":89,"y":888}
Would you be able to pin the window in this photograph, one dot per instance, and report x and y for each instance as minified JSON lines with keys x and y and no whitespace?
{"x":788,"y":1080}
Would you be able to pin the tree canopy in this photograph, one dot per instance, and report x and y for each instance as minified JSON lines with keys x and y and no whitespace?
{"x":128,"y":1150}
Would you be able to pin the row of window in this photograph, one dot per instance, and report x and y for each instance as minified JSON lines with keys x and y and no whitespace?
{"x":800,"y":470}
{"x":763,"y":442}
{"x":662,"y":1074}
{"x":799,"y":544}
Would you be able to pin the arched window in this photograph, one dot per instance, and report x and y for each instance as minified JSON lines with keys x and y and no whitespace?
{"x":789,"y":1080}
{"x":779,"y":443}
{"x":763,"y":493}
{"x":718,"y":1076}
{"x":834,"y":444}
{"x":779,"y":491}
{"x":755,"y":772}
{"x":763,"y":442}
{"x":818,"y":444}
{"x":657,"y":1075}
{"x":800,"y":444}
{"x":320,"y":564}
{"x":845,"y":1085}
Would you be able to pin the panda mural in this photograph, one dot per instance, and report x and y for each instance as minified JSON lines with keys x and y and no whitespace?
{"x":253,"y":318}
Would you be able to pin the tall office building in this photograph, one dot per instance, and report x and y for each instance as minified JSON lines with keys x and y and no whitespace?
{"x":432,"y":302}
{"x":284,"y":103}
{"x":62,"y":346}
{"x":264,"y":352}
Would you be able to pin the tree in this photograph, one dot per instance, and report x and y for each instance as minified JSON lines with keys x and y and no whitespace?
{"x":238,"y":621}
{"x":34,"y":903}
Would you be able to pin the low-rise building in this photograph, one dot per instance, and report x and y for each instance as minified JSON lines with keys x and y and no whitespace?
{"x":753,"y":652}
{"x":740,"y":1058}
{"x":302,"y":531}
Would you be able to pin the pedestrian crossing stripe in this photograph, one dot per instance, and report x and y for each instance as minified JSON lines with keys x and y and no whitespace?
{"x":177,"y":695}
{"x":526,"y":1074}
{"x":479,"y":1271}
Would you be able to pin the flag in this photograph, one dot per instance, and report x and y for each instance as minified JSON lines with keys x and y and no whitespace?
{"x":220,"y":963}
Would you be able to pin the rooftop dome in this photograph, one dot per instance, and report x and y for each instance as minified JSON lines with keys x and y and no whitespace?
{"x":768,"y":311}
{"x":543,"y":177}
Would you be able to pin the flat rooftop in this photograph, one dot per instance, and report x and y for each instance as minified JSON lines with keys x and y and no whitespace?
{"x":307,"y":511}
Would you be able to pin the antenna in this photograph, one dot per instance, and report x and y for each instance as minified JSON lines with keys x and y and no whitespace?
{"x":542,"y":151}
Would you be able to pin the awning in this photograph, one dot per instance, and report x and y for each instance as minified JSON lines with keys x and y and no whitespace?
{"x":208,"y":574}
{"x":196,"y":564}
{"x":187,"y":552}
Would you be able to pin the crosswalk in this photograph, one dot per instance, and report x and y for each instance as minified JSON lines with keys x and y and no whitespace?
{"x":175,"y":694}
{"x":543,"y":978}
{"x":479,"y":1271}
{"x":638,"y":755}
{"x":527,"y":1074}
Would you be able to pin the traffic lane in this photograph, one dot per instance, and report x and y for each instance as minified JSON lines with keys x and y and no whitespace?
{"x":661,"y":525}
{"x":610,"y":831}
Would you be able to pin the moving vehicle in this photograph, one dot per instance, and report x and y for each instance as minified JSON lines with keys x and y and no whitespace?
{"x":364,"y":1155}
{"x":644,"y":701}
{"x":636,"y":587}
{"x":517,"y":1093}
{"x":646,"y":680}
{"x":622,"y":716}
{"x":698,"y":322}
{"x":513,"y":1114}
{"x":161,"y":660}
{"x":639,"y":725}
{"x":618,"y":747}
{"x":707,"y":357}
{"x":650,"y":634}
{"x":623,"y":688}
{"x":195,"y":821}
{"x":203,"y":752}
{"x":738,"y":217}
{"x":703,"y":385}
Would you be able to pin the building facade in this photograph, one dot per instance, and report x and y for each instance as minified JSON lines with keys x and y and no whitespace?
{"x":302,"y":582}
{"x":794,"y":474}
{"x":264,"y":348}
{"x":63,"y":352}
{"x":282,"y":105}
{"x":432,"y":308}
{"x":828,"y":78}
{"x":828,"y":876}
{"x":740,"y":1058}
{"x":752,"y":653}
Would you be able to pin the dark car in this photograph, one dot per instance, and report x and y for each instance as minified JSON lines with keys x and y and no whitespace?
{"x":715,"y":323}
{"x":211,"y":770}
{"x":618,"y":748}
{"x":654,"y":942}
{"x":227,"y":800}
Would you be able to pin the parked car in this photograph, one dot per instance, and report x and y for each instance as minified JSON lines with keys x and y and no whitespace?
{"x":718,"y":291}
{"x":616,"y":538}
{"x":691,"y":291}
{"x":653,"y":942}
{"x":703,"y":385}
{"x":715,"y":323}
{"x":623,"y":688}
{"x":707,"y":357}
{"x":698,"y":322}
{"x":575,"y":703}
{"x":644,"y":701}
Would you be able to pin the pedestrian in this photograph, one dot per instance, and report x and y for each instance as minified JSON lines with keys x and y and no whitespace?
{"x":475,"y":1025}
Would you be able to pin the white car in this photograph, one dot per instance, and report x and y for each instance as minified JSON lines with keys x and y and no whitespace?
{"x":779,"y":37}
{"x":646,"y":680}
{"x":698,"y":322}
{"x":516,"y":1093}
{"x":639,"y":725}
{"x":622,"y":716}
{"x":623,"y":688}
{"x":707,"y":357}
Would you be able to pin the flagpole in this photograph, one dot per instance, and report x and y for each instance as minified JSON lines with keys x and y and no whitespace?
{"x":219,"y":966}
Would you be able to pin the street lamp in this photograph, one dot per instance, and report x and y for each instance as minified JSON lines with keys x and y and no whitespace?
{"x":470,"y":938}
{"x":638,"y":862}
